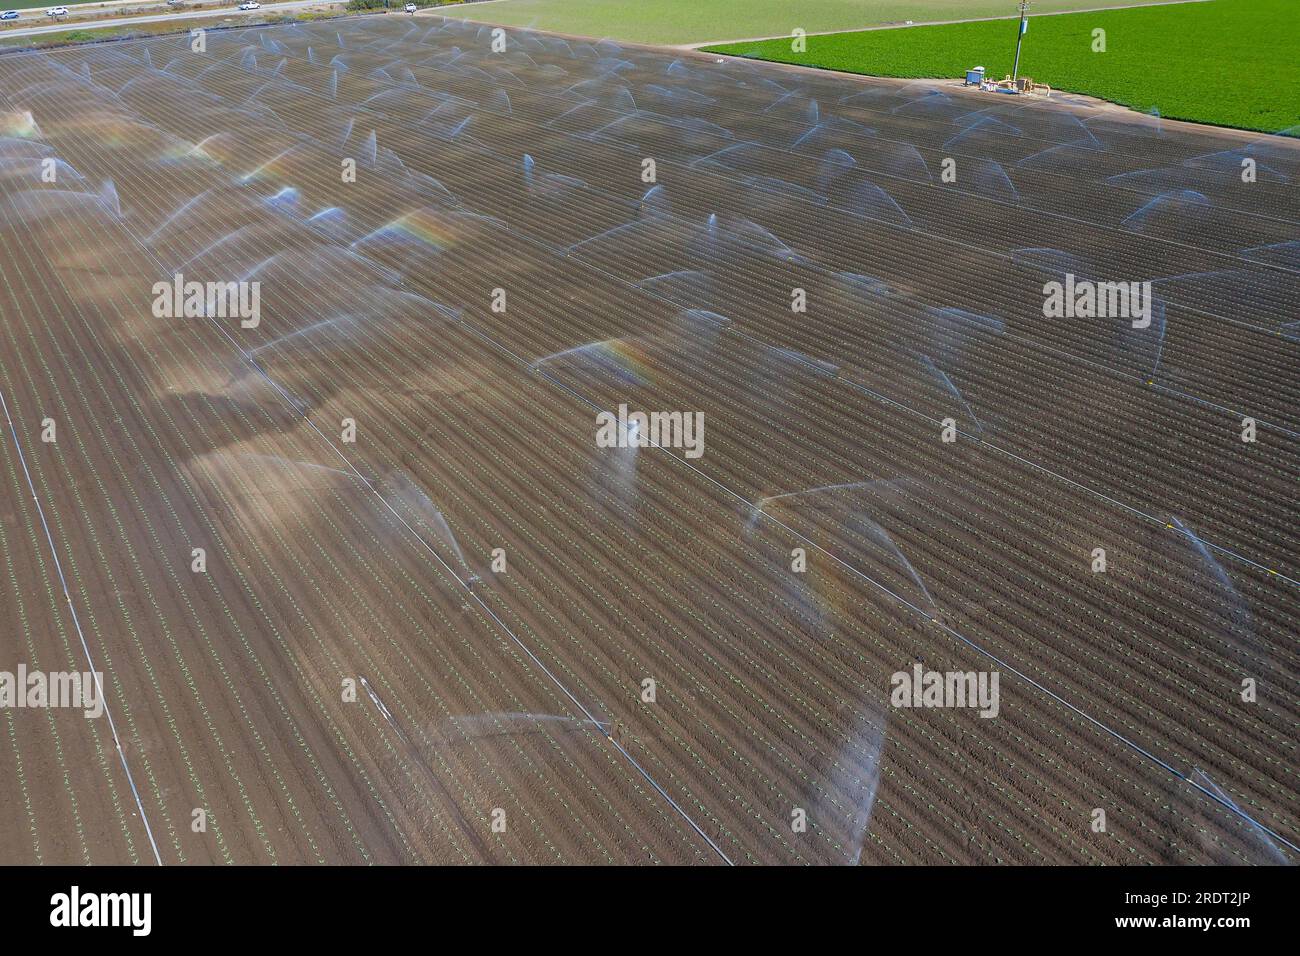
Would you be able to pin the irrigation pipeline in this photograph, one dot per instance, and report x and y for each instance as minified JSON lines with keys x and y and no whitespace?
{"x":301,"y":412}
{"x":1133,"y":745}
{"x":469,"y":589}
{"x":1227,"y":804}
{"x":1228,"y":552}
{"x":63,"y":581}
{"x":473,"y":834}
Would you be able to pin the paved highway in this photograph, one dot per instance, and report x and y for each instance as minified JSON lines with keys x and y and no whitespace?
{"x":76,"y":23}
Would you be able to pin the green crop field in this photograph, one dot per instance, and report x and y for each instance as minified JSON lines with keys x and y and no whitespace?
{"x":1229,"y":62}
{"x":702,"y":21}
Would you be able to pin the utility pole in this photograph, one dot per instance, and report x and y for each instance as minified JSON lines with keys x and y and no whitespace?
{"x":1020,"y":35}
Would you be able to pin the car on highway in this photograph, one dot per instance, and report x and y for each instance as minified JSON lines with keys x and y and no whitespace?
{"x":411,"y":8}
{"x":57,"y":12}
{"x":250,"y":5}
{"x":9,"y":15}
{"x":174,"y":3}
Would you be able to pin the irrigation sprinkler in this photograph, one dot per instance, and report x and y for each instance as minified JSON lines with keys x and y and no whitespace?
{"x":1020,"y":36}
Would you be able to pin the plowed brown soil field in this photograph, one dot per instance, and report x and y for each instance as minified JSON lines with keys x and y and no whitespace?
{"x":434,"y":620}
